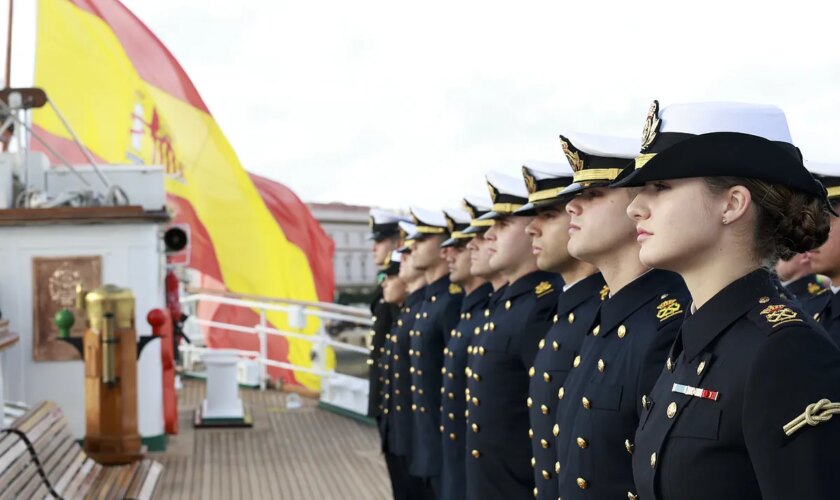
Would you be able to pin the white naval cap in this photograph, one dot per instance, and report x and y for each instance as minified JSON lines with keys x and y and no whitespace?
{"x":384,"y":224}
{"x":507,"y":192}
{"x":406,"y":229}
{"x":457,"y":221}
{"x":715,"y":139}
{"x":697,"y":118}
{"x":477,"y":206}
{"x":596,"y":159}
{"x":828,"y":174}
{"x":427,"y":222}
{"x":544,"y":181}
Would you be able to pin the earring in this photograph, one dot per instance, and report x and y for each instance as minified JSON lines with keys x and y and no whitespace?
{"x":725,"y":222}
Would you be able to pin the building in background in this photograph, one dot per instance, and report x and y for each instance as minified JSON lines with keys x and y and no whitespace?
{"x":355,"y":271}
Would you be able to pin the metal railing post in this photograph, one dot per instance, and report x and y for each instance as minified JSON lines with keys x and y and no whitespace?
{"x":261,"y":333}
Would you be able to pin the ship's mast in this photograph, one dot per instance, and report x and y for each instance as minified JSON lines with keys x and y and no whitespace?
{"x":9,"y":46}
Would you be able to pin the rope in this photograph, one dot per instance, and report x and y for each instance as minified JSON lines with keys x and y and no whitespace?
{"x":23,"y":437}
{"x":815,"y":413}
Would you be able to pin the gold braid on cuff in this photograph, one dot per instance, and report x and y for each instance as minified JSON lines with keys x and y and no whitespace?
{"x":815,"y":413}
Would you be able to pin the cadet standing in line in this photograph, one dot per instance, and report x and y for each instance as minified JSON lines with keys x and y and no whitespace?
{"x":627,"y":342}
{"x":577,"y":305}
{"x":825,"y":307}
{"x":798,"y":279}
{"x":497,"y":439}
{"x":385,"y":233}
{"x":477,"y":292}
{"x":479,"y":248}
{"x":742,"y":408}
{"x":396,"y":416}
{"x":437,"y":317}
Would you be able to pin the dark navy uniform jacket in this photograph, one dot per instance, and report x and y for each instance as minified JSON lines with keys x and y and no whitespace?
{"x":576,"y":308}
{"x":600,"y":402}
{"x":436,"y":318}
{"x":805,"y":288}
{"x":396,"y":418}
{"x":452,"y":406}
{"x":384,"y":315}
{"x":498,"y":449}
{"x":744,"y":365}
{"x":825,"y":308}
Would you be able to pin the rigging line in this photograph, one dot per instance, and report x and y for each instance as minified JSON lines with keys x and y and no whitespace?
{"x":5,"y":108}
{"x":82,"y":147}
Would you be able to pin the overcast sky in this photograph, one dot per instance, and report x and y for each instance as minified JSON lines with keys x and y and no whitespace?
{"x":395,"y":103}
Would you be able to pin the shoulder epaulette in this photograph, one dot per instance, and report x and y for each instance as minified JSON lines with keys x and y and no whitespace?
{"x":780,"y":314}
{"x":543,"y":288}
{"x":772,"y":315}
{"x":455,"y":289}
{"x":668,"y":308}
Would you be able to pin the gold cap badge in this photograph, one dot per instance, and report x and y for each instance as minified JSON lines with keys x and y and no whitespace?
{"x":572,"y":154}
{"x":652,"y":123}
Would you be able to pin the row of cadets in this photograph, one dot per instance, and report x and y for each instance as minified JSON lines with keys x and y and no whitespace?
{"x":577,"y":305}
{"x":502,"y":352}
{"x":627,"y":341}
{"x":404,"y":287}
{"x":433,"y":323}
{"x":825,"y":260}
{"x":385,"y":234}
{"x":743,"y":403}
{"x":478,"y":290}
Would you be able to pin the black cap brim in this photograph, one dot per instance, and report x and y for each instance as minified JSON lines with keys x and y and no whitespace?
{"x":475,"y":229}
{"x":531,"y":209}
{"x":727,"y":154}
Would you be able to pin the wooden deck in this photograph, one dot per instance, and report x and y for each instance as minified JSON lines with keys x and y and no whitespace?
{"x":303,"y":454}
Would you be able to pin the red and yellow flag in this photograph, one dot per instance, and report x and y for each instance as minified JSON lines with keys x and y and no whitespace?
{"x":129,"y":101}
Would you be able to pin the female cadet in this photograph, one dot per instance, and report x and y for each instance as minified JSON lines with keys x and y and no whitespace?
{"x":742,"y":408}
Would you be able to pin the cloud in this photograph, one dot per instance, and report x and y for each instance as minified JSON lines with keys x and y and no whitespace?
{"x":394,"y":103}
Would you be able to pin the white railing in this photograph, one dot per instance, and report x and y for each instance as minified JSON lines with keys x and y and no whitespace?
{"x":297,"y":314}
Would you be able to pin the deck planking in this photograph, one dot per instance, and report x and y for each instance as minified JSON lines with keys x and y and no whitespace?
{"x":302,"y":454}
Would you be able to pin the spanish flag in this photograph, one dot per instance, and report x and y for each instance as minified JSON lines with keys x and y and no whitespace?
{"x":129,"y":101}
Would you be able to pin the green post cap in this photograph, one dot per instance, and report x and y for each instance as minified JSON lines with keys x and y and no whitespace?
{"x":64,"y":320}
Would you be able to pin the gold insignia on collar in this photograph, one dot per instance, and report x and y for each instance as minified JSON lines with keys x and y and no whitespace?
{"x":572,"y":154}
{"x":667,"y":309}
{"x":779,"y":314}
{"x":604,"y":293}
{"x":455,"y":289}
{"x":494,"y":193}
{"x":814,"y":288}
{"x":652,"y":123}
{"x":530,"y":181}
{"x":543,"y":288}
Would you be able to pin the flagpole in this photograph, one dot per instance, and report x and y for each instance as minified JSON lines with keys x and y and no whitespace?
{"x":9,"y":47}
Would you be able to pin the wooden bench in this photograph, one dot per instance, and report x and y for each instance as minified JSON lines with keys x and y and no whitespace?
{"x":69,"y":470}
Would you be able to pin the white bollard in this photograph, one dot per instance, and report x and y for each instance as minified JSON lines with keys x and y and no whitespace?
{"x":222,"y":387}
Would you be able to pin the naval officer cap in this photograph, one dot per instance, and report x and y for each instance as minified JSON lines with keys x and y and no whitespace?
{"x":829,"y":176}
{"x":457,"y":222}
{"x":406,"y":229}
{"x":596,"y":160}
{"x":544,"y":181}
{"x":507,"y":193}
{"x":428,"y":223}
{"x":716,"y":139}
{"x":383,"y":224}
{"x":476,"y":206}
